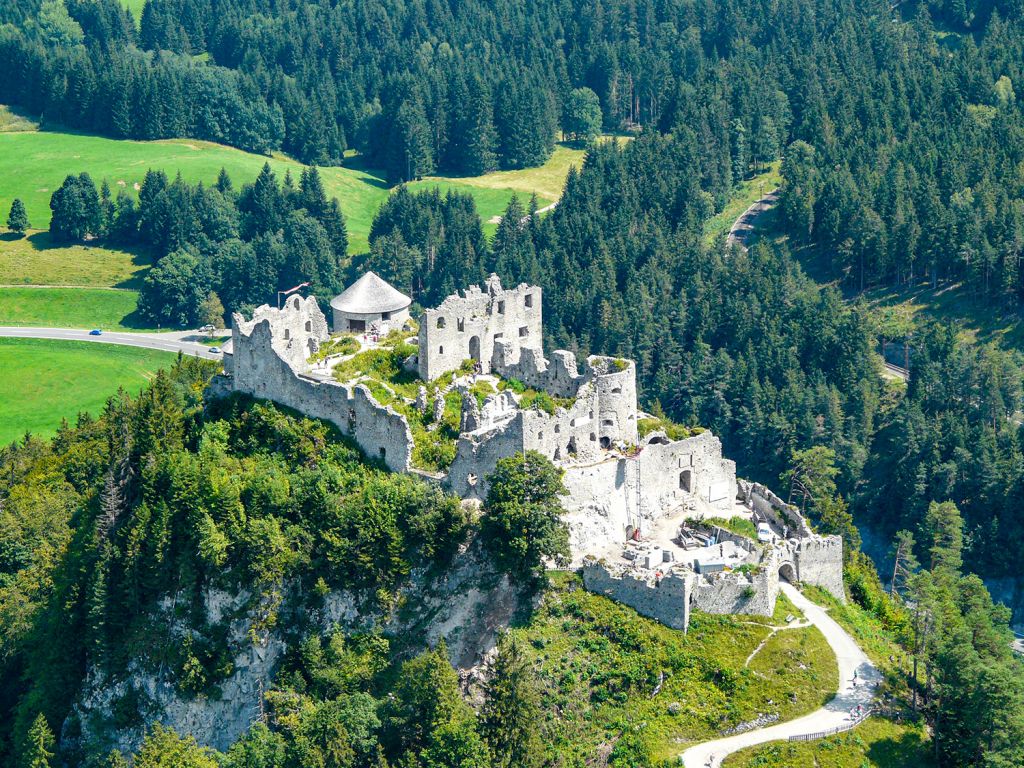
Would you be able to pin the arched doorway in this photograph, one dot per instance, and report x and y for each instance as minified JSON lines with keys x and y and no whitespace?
{"x":474,"y":347}
{"x":686,"y":480}
{"x":788,"y":572}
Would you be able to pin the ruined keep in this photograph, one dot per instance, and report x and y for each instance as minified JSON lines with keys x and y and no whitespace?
{"x":469,"y":326}
{"x":620,"y":486}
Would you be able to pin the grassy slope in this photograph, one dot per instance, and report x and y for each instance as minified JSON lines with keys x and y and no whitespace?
{"x":13,"y":119}
{"x":978,"y":318}
{"x":749,"y":192}
{"x":69,"y":307}
{"x":877,"y":744}
{"x":599,"y":663}
{"x":44,"y":381}
{"x":33,"y":164}
{"x":35,"y":260}
{"x":135,"y":6}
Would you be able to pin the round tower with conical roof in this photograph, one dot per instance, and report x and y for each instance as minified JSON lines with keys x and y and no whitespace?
{"x":370,"y":304}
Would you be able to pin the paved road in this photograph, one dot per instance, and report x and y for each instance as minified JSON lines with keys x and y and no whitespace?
{"x":833,"y":715}
{"x":173,"y":341}
{"x":897,"y":371}
{"x":743,"y":227}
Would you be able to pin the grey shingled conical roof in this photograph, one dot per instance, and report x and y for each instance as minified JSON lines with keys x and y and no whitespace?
{"x":370,"y":295}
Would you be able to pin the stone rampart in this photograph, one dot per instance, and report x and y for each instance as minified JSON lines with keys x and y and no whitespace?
{"x":665,"y":598}
{"x":819,"y":561}
{"x":737,"y":592}
{"x":766,"y":503}
{"x":671,"y":469}
{"x":297,"y":330}
{"x":258,"y":370}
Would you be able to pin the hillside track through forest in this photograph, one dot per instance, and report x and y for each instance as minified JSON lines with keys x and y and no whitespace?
{"x":743,"y":228}
{"x":837,"y":714}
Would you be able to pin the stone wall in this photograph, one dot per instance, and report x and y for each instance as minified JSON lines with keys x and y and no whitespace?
{"x":258,"y":369}
{"x":819,"y":561}
{"x":468,"y":326}
{"x":671,"y":469}
{"x":603,"y":498}
{"x":765,"y":502}
{"x":477,"y":454}
{"x":297,"y":330}
{"x":665,"y":599}
{"x":733,"y":592}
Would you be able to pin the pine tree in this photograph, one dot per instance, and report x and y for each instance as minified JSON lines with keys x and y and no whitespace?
{"x":39,"y":743}
{"x":904,"y":562}
{"x":512,"y":711}
{"x":76,"y":209}
{"x":17,"y":219}
{"x":476,"y":134}
{"x":739,"y":152}
{"x":262,"y":204}
{"x":224,"y":184}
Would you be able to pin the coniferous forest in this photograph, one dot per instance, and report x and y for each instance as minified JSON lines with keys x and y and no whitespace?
{"x":900,"y":134}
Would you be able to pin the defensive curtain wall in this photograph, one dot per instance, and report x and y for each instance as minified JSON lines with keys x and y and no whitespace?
{"x":269,"y":360}
{"x":804,"y":557}
{"x":632,"y":491}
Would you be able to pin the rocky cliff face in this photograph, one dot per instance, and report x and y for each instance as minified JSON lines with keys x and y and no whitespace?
{"x":467,"y":606}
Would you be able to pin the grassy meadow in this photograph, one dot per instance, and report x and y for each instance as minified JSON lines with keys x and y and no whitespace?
{"x":876,"y":743}
{"x":36,"y":260}
{"x":34,"y":163}
{"x":107,"y":308}
{"x":56,"y":380}
{"x":599,"y":663}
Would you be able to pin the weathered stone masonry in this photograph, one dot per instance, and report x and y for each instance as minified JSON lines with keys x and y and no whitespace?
{"x":617,"y":483}
{"x":468,"y":327}
{"x":268,"y":360}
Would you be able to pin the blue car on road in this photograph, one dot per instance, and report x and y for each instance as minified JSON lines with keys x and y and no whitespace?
{"x":95,"y":332}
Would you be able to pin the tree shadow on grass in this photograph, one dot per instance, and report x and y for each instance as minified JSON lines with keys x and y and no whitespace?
{"x":134,"y":321}
{"x":909,"y":749}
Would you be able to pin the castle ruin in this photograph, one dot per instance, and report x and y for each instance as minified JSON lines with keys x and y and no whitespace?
{"x":625,"y":490}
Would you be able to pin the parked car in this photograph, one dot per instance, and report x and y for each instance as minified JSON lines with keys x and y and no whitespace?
{"x":95,"y":332}
{"x":764,"y":532}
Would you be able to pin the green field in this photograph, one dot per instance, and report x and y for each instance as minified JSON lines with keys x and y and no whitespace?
{"x":12,"y":119}
{"x":44,"y":381}
{"x":35,"y":260}
{"x":135,"y":6}
{"x":34,"y":163}
{"x":876,"y":743}
{"x":69,"y":307}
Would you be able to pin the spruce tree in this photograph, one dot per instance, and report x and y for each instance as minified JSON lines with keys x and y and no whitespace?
{"x":224,"y":184}
{"x":39,"y":743}
{"x":17,"y":219}
{"x":512,"y":712}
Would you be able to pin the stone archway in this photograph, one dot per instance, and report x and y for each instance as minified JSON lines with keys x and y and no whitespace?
{"x":788,"y":573}
{"x":474,"y":347}
{"x":686,"y":480}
